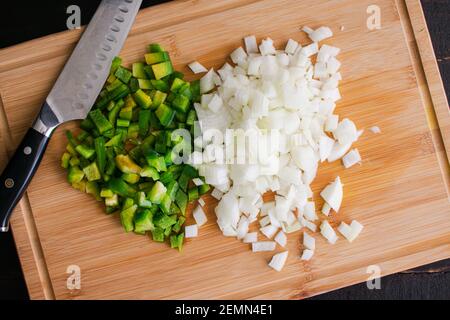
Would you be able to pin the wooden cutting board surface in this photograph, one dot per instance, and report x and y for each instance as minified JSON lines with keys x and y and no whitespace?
{"x":400,"y":193}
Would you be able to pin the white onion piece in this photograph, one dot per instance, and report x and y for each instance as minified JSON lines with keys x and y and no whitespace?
{"x":309,"y":211}
{"x":307,"y":254}
{"x":309,"y":242}
{"x":375,"y":129}
{"x":201,"y":202}
{"x":281,"y":239}
{"x":191,"y":231}
{"x":269,"y":231}
{"x":250,"y":44}
{"x":278,"y":261}
{"x":200,"y":216}
{"x":326,"y":209}
{"x":291,"y":46}
{"x":250,"y":237}
{"x":338,"y":151}
{"x":345,"y":230}
{"x":207,"y":82}
{"x":328,"y":233}
{"x":351,"y":158}
{"x":320,"y":34}
{"x":197,"y":181}
{"x":242,"y":228}
{"x":325,"y":146}
{"x":264,"y":221}
{"x":216,"y":193}
{"x":356,"y":230}
{"x":197,"y":67}
{"x":263,"y":246}
{"x":333,"y":194}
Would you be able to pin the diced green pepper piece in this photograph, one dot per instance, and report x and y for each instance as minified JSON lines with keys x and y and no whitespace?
{"x":150,"y":172}
{"x":155,"y":47}
{"x":167,"y":231}
{"x":114,"y":85}
{"x":126,"y":164}
{"x":145,"y":84}
{"x":142,"y":99}
{"x":131,"y":178}
{"x":138,"y":70}
{"x":123,"y":123}
{"x":112,"y":201}
{"x":181,"y":200}
{"x":123,"y":74}
{"x":71,"y":139}
{"x":195,"y":90}
{"x":133,"y":131}
{"x":143,"y":201}
{"x":127,"y":217}
{"x":191,"y":117}
{"x":74,"y":161}
{"x":181,"y":103}
{"x":158,"y":99}
{"x":93,"y":189}
{"x":120,"y":187}
{"x":102,"y":124}
{"x":176,"y":241}
{"x":156,"y":161}
{"x":160,"y":85}
{"x":204,"y":188}
{"x":158,"y":234}
{"x":176,"y":85}
{"x":157,"y":193}
{"x":144,"y":122}
{"x":156,"y":57}
{"x":165,"y":114}
{"x":172,"y":189}
{"x":166,"y":177}
{"x":120,"y":92}
{"x":85,"y":151}
{"x":80,"y":185}
{"x":92,"y":172}
{"x":100,"y":151}
{"x":65,"y":160}
{"x":127,"y":203}
{"x":126,"y":113}
{"x":111,"y":78}
{"x":87,"y":124}
{"x":165,"y":204}
{"x":106,"y":193}
{"x":75,"y":175}
{"x":162,"y":69}
{"x":143,"y":221}
{"x":114,"y":141}
{"x":163,"y":220}
{"x":116,"y":62}
{"x":193,"y":194}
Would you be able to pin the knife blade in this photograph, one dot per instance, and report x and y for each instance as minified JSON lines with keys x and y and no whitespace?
{"x":71,"y":97}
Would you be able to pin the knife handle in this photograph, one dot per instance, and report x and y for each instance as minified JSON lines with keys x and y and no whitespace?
{"x":18,"y":173}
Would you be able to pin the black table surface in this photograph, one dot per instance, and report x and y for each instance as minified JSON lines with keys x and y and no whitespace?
{"x":39,"y":18}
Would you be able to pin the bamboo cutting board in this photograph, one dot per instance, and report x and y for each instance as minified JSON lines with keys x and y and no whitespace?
{"x":400,"y":193}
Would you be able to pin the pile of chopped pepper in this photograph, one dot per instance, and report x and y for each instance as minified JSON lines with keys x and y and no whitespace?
{"x":123,"y":153}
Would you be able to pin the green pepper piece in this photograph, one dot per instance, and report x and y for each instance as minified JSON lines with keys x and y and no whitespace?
{"x":92,"y":172}
{"x":155,"y":47}
{"x":176,"y":241}
{"x":116,"y":62}
{"x":193,"y":194}
{"x":172,"y":189}
{"x":74,"y":161}
{"x":120,"y":92}
{"x":195,"y":91}
{"x":112,"y":201}
{"x":123,"y":74}
{"x":165,"y":114}
{"x":106,"y":193}
{"x":157,"y":193}
{"x":162,"y":69}
{"x":176,"y":85}
{"x":102,"y":124}
{"x":131,"y":178}
{"x":127,"y":217}
{"x":93,"y":189}
{"x":191,"y":117}
{"x":87,"y":124}
{"x":181,"y":200}
{"x":114,"y":141}
{"x":143,"y":221}
{"x":158,"y":234}
{"x":204,"y":188}
{"x":144,"y":122}
{"x":133,"y":131}
{"x":156,"y":161}
{"x":85,"y":151}
{"x":158,"y":99}
{"x":160,"y":85}
{"x":145,"y":84}
{"x":70,"y":137}
{"x":100,"y":151}
{"x":163,"y":220}
{"x":165,"y":204}
{"x":65,"y":160}
{"x":156,"y":57}
{"x":181,"y":103}
{"x":142,"y":99}
{"x":120,"y":187}
{"x":150,"y":172}
{"x":126,"y":164}
{"x":143,"y":201}
{"x":138,"y":70}
{"x":75,"y":175}
{"x":114,"y":85}
{"x":123,"y":123}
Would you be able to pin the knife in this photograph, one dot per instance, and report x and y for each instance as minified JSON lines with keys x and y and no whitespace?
{"x":71,"y":97}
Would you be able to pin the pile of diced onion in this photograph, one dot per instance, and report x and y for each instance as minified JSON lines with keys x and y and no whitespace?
{"x":283,"y":90}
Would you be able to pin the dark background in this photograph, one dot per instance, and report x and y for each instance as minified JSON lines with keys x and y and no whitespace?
{"x":26,"y":20}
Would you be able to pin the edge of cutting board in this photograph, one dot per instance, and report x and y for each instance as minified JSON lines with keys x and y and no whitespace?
{"x":425,"y":66}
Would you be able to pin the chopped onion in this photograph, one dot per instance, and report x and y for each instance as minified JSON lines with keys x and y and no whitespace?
{"x":278,"y":261}
{"x":201,"y":202}
{"x":351,"y":158}
{"x":191,"y":231}
{"x":197,"y":181}
{"x":250,"y":44}
{"x":216,"y":193}
{"x":333,"y":194}
{"x":263,"y":246}
{"x":281,"y":238}
{"x":309,"y":242}
{"x":327,"y":231}
{"x":291,"y":46}
{"x":196,"y":67}
{"x":320,"y":34}
{"x":326,"y":209}
{"x":251,"y":237}
{"x":199,"y":216}
{"x":242,"y":228}
{"x":307,"y":254}
{"x":375,"y":129}
{"x":269,"y":231}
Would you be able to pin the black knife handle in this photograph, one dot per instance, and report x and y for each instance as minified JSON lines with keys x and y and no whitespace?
{"x":18,"y":173}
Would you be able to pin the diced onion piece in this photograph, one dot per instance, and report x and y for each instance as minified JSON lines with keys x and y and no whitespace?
{"x":269,"y":231}
{"x":293,"y":227}
{"x":356,"y":230}
{"x":307,"y":29}
{"x":201,"y":202}
{"x":216,"y":193}
{"x":215,"y":104}
{"x":327,"y":231}
{"x":238,"y":56}
{"x":346,"y":132}
{"x":320,"y":34}
{"x":309,"y":211}
{"x":263,"y":246}
{"x":199,"y":216}
{"x":351,"y":158}
{"x":191,"y":231}
{"x":333,"y":194}
{"x":338,"y":151}
{"x":308,"y":224}
{"x":375,"y":129}
{"x":291,"y":46}
{"x":278,"y":261}
{"x":266,"y":47}
{"x":207,"y":82}
{"x":251,"y":237}
{"x":309,"y":242}
{"x":197,"y":181}
{"x":281,"y":238}
{"x":250,"y":44}
{"x":325,"y":146}
{"x":307,"y":254}
{"x":345,"y":230}
{"x":196,"y":67}
{"x":326,"y":209}
{"x":242,"y":228}
{"x":331,"y":123}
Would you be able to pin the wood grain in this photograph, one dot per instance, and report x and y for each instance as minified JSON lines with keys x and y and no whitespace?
{"x":399,"y":193}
